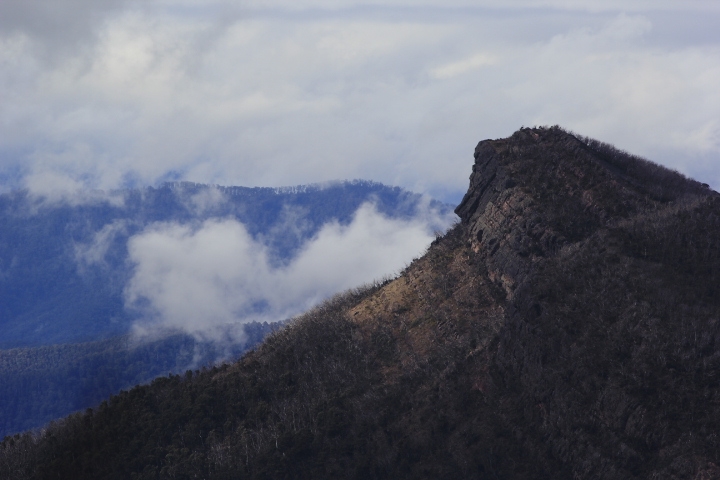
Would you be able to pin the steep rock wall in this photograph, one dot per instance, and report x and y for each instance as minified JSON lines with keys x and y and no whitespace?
{"x":595,"y":364}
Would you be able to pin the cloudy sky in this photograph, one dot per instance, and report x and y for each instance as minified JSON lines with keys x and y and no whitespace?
{"x":128,"y":92}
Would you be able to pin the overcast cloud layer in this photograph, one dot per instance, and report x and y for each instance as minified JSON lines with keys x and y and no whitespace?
{"x":122,"y":92}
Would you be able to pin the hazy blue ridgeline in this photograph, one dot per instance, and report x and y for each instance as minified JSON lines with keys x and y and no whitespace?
{"x":46,"y":298}
{"x":50,"y":300}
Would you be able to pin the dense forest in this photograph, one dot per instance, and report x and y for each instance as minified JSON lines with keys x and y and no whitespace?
{"x":566,"y":328}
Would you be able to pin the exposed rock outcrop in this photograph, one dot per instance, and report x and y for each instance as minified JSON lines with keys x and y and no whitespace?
{"x":593,"y":249}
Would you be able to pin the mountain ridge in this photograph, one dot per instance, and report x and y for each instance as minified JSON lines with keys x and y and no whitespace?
{"x":568,"y":327}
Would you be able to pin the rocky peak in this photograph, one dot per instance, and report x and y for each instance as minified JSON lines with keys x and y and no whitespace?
{"x":543,"y":188}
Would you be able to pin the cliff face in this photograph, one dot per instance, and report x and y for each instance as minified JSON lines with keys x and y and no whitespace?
{"x":542,"y":189}
{"x":607,"y":358}
{"x":568,"y":327}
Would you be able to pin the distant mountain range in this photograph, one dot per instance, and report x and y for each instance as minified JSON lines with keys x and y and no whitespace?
{"x":66,"y":338}
{"x":51,"y":293}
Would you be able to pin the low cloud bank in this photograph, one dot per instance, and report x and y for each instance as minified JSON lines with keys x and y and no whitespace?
{"x":208,"y":279}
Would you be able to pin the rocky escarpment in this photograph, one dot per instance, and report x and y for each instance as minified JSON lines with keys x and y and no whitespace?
{"x":542,"y":189}
{"x":568,"y":327}
{"x":604,"y":359}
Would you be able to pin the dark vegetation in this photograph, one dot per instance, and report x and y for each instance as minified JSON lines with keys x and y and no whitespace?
{"x":322,"y":398}
{"x":569,"y":327}
{"x":63,"y":322}
{"x":40,"y":384}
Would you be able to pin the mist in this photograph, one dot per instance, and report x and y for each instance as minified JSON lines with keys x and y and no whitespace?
{"x":208,"y":279}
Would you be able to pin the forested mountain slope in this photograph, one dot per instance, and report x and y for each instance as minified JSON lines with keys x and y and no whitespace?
{"x":568,"y":327}
{"x":40,"y":384}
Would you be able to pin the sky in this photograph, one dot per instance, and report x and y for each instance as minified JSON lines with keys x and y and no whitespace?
{"x":120,"y":93}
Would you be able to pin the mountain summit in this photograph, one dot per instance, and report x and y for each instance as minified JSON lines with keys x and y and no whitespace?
{"x":567,"y":327}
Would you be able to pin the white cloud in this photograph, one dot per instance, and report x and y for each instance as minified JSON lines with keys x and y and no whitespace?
{"x":202,"y":279}
{"x":95,"y":251}
{"x":194,"y":280}
{"x":283,"y":93}
{"x":454,"y":69}
{"x":206,"y":201}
